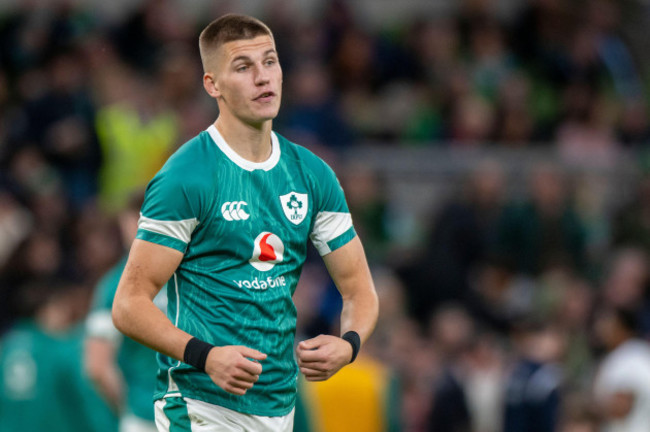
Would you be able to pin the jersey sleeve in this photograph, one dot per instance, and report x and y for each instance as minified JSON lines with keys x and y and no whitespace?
{"x":170,"y":212}
{"x":99,"y":323}
{"x":332,"y":227}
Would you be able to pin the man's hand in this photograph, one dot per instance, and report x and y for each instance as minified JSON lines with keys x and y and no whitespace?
{"x":321,"y":357}
{"x":231,"y":369}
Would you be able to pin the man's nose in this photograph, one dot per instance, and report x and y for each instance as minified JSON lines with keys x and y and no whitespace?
{"x":261,"y":76}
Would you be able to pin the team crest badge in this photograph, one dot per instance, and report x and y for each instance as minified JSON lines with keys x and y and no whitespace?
{"x":294,"y":206}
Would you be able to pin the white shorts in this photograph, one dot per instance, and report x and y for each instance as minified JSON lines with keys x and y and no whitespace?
{"x":131,"y":423}
{"x":178,"y":414}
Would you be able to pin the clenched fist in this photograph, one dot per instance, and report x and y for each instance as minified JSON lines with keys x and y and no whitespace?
{"x":321,"y":357}
{"x":232,"y":369}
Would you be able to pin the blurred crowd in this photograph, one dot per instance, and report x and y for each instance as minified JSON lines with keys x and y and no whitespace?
{"x":512,"y":313}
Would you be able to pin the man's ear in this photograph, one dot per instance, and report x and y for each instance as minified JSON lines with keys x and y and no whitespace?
{"x":210,"y":85}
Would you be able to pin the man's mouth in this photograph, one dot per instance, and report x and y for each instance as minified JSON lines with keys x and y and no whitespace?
{"x":265,"y":96}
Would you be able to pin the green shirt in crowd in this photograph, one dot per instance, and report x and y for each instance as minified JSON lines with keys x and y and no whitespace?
{"x":43,"y":386}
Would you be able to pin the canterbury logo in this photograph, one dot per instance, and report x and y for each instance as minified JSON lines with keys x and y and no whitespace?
{"x":234,"y":211}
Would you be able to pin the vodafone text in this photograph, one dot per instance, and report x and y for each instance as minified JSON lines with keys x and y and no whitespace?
{"x":261,"y":284}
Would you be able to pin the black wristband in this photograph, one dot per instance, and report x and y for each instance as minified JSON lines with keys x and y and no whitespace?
{"x":355,"y":340}
{"x":196,"y":353}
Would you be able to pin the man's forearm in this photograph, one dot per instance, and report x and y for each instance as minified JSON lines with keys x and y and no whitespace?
{"x":99,"y":362}
{"x":147,"y":270}
{"x":141,"y":320}
{"x":349,"y":270}
{"x":360,"y":313}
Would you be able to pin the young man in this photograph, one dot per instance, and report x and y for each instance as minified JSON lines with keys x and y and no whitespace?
{"x":121,"y":369}
{"x":226,"y":224}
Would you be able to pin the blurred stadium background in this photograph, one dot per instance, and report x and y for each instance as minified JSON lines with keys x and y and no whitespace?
{"x":494,"y":155}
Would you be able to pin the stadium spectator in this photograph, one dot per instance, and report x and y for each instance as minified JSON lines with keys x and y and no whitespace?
{"x":450,"y":329}
{"x":137,"y":131}
{"x":533,"y":393}
{"x":544,"y":228}
{"x":623,"y":379}
{"x":485,"y":373}
{"x":631,"y":222}
{"x":461,"y":237}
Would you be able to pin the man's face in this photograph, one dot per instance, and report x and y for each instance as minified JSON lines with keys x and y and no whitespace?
{"x":607,"y":329}
{"x":248,"y":80}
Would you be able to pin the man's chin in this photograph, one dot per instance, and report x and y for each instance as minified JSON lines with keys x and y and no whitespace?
{"x":260,"y":121}
{"x":266,"y":116}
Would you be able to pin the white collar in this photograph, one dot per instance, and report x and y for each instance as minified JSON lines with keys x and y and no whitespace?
{"x":240,"y":161}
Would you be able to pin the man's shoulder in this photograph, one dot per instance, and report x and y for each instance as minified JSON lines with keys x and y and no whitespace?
{"x":302,"y":155}
{"x":21,"y":332}
{"x":634,"y":351}
{"x":192,"y":151}
{"x":628,"y":365}
{"x":191,"y":162}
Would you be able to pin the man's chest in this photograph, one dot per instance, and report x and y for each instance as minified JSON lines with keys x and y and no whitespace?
{"x":259,"y":217}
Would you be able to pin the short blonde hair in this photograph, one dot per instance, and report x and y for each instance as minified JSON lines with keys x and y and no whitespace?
{"x":227,"y":28}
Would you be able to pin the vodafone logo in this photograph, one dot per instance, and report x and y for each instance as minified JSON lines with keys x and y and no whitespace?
{"x":234,"y":210}
{"x":267,"y":252}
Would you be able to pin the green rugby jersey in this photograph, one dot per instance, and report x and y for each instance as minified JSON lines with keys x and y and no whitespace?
{"x":243,"y":228}
{"x":43,"y":386}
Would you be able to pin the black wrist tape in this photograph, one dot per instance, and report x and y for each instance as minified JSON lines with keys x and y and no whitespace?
{"x":355,"y":340}
{"x":196,"y":352}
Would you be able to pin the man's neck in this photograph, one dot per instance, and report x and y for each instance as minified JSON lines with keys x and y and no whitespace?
{"x":251,"y":143}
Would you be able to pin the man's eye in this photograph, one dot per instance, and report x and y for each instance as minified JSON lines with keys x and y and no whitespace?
{"x":270,"y":62}
{"x":241,"y":68}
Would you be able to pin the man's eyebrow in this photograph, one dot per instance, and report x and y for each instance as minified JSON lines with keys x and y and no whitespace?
{"x":247,"y":58}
